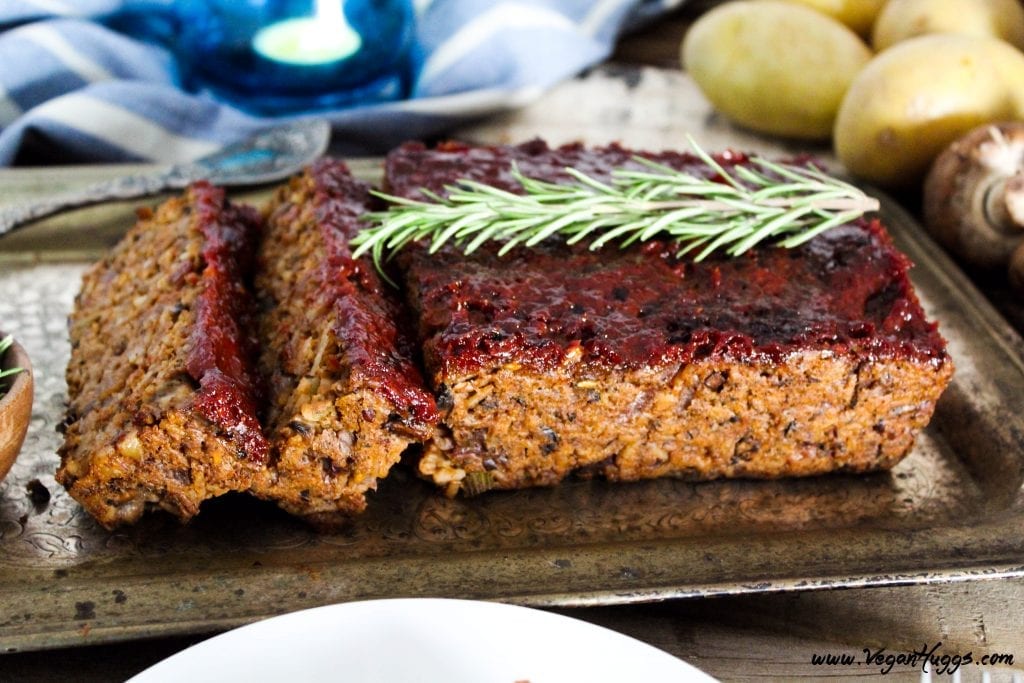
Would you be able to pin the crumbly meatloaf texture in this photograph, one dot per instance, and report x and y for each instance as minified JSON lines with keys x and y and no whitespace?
{"x":346,"y":397}
{"x":632,"y":364}
{"x":162,"y":390}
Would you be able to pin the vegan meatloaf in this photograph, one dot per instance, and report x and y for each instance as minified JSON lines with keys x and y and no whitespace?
{"x":162,"y":390}
{"x":345,"y":394}
{"x":632,"y":364}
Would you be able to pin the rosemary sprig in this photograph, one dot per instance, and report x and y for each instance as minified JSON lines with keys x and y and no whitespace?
{"x":735,"y":211}
{"x":5,"y":344}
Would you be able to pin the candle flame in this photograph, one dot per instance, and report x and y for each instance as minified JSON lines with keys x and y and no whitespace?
{"x":324,"y":37}
{"x":329,"y":12}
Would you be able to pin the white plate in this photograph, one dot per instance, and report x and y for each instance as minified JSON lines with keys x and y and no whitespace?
{"x":422,"y":639}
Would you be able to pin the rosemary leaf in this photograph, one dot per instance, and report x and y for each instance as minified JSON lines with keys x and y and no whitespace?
{"x":6,"y":344}
{"x":733,"y":210}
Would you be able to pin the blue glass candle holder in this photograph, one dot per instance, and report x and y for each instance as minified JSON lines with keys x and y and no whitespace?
{"x":286,"y":56}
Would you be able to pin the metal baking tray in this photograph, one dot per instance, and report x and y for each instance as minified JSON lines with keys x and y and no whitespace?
{"x":953,"y":510}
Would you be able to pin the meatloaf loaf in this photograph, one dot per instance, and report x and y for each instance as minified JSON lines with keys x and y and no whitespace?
{"x":345,"y":396}
{"x":632,"y":364}
{"x":162,"y":389}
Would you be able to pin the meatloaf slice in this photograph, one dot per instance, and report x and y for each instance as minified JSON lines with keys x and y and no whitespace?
{"x":161,"y":385}
{"x":631,"y":364}
{"x":345,"y":395}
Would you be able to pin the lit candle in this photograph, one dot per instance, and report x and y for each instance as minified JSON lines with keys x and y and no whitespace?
{"x":322,"y":38}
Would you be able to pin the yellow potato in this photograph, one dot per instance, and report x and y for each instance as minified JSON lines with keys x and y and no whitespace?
{"x":902,"y":19}
{"x":774,"y":67}
{"x":857,"y":14}
{"x":917,"y":97}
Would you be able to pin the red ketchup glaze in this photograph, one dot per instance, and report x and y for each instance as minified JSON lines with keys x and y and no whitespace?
{"x":844,"y":292}
{"x":221,"y":350}
{"x":369,"y":315}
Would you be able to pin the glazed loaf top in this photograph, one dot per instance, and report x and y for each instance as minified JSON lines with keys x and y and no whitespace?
{"x":844,"y":292}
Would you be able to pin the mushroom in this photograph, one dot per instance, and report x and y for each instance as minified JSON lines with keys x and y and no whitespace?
{"x":974,"y":196}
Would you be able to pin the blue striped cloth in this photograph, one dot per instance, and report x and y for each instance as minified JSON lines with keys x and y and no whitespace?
{"x":80,"y":91}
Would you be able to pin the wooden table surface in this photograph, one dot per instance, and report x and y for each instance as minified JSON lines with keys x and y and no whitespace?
{"x":643,"y":99}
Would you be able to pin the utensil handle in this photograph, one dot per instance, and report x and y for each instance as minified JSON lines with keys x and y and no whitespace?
{"x":125,"y":187}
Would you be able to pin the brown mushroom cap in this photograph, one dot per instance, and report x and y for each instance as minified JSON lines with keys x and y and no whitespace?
{"x":974,"y":195}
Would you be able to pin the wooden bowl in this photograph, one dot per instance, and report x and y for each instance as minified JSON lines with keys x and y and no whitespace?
{"x":15,"y":405}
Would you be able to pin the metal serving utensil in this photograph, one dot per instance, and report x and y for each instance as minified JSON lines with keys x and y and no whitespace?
{"x":269,"y":155}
